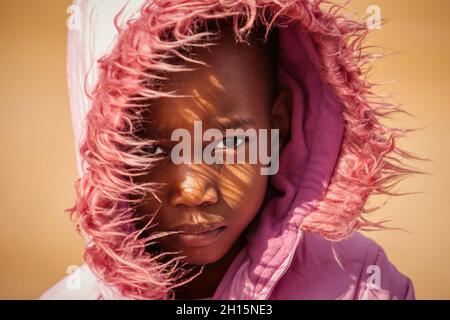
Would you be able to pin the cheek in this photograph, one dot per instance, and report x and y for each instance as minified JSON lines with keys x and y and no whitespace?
{"x":243,"y":189}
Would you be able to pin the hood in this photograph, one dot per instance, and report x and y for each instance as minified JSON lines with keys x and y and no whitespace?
{"x":338,"y":155}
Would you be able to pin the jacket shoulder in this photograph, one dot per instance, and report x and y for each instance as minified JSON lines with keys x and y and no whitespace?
{"x":354,"y":268}
{"x":378,"y":277}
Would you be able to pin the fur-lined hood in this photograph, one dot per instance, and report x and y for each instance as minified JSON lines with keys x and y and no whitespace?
{"x":338,"y":155}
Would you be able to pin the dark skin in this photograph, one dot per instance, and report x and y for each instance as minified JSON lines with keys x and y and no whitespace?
{"x":232,"y":91}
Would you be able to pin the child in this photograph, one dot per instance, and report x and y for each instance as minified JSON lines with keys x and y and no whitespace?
{"x":159,"y":228}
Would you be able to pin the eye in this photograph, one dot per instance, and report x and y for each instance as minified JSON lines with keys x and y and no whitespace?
{"x":154,"y":150}
{"x":230,"y":142}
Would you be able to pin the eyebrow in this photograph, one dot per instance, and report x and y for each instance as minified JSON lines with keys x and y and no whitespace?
{"x":223,"y":124}
{"x":228,"y":123}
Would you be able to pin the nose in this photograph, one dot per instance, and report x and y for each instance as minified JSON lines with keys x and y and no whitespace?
{"x":193,"y":191}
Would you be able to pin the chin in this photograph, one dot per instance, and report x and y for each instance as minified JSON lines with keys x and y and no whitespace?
{"x":202,"y":256}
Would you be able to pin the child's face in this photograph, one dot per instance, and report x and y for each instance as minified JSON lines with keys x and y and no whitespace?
{"x":232,"y":93}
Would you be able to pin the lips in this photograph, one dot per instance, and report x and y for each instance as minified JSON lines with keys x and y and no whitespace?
{"x":197,"y":228}
{"x":198,"y":235}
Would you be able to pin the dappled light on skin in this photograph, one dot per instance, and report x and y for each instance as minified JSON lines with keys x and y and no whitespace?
{"x":239,"y":179}
{"x":205,"y":194}
{"x":216,"y":83}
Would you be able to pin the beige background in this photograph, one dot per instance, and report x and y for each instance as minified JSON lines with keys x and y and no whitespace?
{"x":37,"y":163}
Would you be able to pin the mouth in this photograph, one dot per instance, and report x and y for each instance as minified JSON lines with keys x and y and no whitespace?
{"x":198,"y":236}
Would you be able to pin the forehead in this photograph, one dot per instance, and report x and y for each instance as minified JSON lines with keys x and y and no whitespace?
{"x":233,"y":85}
